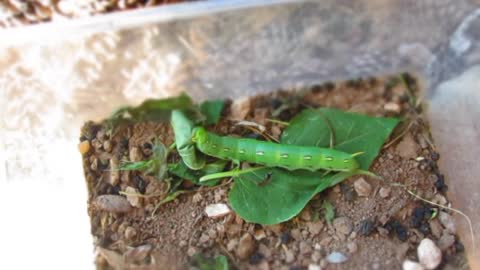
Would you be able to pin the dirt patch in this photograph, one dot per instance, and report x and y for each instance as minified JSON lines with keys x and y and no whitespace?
{"x":377,"y":224}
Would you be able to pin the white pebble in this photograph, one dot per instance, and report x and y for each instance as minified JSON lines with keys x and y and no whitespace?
{"x":314,"y":267}
{"x":411,"y":265}
{"x":448,"y":222}
{"x":217,"y":210}
{"x":429,"y":255}
{"x":336,"y":257}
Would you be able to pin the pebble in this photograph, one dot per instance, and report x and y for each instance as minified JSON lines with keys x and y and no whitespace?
{"x":246,"y":246}
{"x":107,"y":145}
{"x":260,"y":234}
{"x":446,"y":241}
{"x":94,"y":164}
{"x":392,"y":107}
{"x":314,"y":267}
{"x":232,"y":244}
{"x":337,"y":189}
{"x":447,"y":221}
{"x":97,"y":144}
{"x":234,"y":229}
{"x":276,"y":229}
{"x":263,"y":266}
{"x":240,"y":108}
{"x":315,"y":227}
{"x":306,"y":214}
{"x":192,"y":251}
{"x":352,"y":247}
{"x":382,"y":231}
{"x":262,"y":248}
{"x":401,"y":251}
{"x":113,"y":203}
{"x":429,"y":255}
{"x":204,"y":238}
{"x":135,"y":154}
{"x":316,"y":256}
{"x":362,"y":187}
{"x":411,"y":265}
{"x":440,"y":199}
{"x":325,"y":241}
{"x":385,"y":192}
{"x":296,"y":234}
{"x":84,"y":147}
{"x":305,"y":248}
{"x":217,"y":210}
{"x":435,"y":228}
{"x":135,"y":201}
{"x":289,"y":256}
{"x":343,"y":225}
{"x":138,"y":253}
{"x":407,"y":148}
{"x":336,"y":257}
{"x":114,"y":172}
{"x":130,"y":233}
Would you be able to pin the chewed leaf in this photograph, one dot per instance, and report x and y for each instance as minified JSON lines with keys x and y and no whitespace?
{"x":183,"y":129}
{"x":288,"y":192}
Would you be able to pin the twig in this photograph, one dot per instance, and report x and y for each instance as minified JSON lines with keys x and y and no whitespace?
{"x":399,"y":136}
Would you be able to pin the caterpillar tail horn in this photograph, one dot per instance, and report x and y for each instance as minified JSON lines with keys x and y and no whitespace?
{"x":357,"y":154}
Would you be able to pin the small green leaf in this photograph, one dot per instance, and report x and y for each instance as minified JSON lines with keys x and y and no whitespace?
{"x":183,"y":129}
{"x":181,"y":170}
{"x":288,"y":192}
{"x":329,"y":211}
{"x":136,"y":166}
{"x":212,"y":110}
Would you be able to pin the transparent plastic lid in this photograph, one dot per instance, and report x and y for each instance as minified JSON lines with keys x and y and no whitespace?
{"x":54,"y":77}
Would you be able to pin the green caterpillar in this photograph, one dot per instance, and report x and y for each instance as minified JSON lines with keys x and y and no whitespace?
{"x":290,"y":157}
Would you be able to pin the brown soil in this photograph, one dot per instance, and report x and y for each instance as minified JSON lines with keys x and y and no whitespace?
{"x":376,"y":231}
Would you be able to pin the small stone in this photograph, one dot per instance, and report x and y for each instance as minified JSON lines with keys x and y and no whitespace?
{"x":447,"y":240}
{"x":114,"y":172}
{"x":130,"y":233}
{"x":135,"y":154}
{"x":306,"y":214}
{"x":232,"y":244}
{"x":382,"y":231}
{"x":323,"y":263}
{"x":263,"y":266}
{"x":84,"y":147}
{"x":289,"y":256}
{"x":259,"y":234}
{"x":343,"y":225}
{"x":411,"y":265}
{"x":315,"y":227}
{"x":336,"y":257}
{"x":240,"y":108}
{"x":276,"y":229}
{"x":296,"y":234}
{"x":362,"y":187}
{"x":401,"y":251}
{"x":246,"y":246}
{"x":197,"y":197}
{"x":316,"y":256}
{"x":336,"y":189}
{"x":305,"y":248}
{"x":325,"y":241}
{"x":429,"y":255}
{"x":435,"y":228}
{"x":262,"y":248}
{"x":407,"y":148}
{"x":135,"y":201}
{"x":137,"y":254}
{"x":392,"y":107}
{"x":191,"y":251}
{"x":440,"y":199}
{"x":107,"y":145}
{"x":384,"y":192}
{"x":234,"y":229}
{"x":352,"y":247}
{"x":448,"y":222}
{"x":204,"y":238}
{"x":183,"y":243}
{"x":94,"y":164}
{"x":217,"y":210}
{"x":112,"y":203}
{"x":314,"y":267}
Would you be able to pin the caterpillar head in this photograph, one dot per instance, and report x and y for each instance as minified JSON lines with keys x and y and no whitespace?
{"x":199,"y":135}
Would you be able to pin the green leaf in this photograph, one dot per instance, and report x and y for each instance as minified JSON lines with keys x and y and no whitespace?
{"x":288,"y":192}
{"x":183,"y":129}
{"x":329,"y":211}
{"x":212,"y":110}
{"x":136,"y":166}
{"x":181,"y":170}
{"x":218,"y":263}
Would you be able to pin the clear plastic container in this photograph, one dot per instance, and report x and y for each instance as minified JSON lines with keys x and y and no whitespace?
{"x":53,"y":77}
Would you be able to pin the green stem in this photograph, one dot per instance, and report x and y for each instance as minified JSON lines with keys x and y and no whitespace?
{"x":231,"y":173}
{"x":278,"y":122}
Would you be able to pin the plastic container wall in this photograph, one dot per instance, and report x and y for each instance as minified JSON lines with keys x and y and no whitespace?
{"x":54,"y":77}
